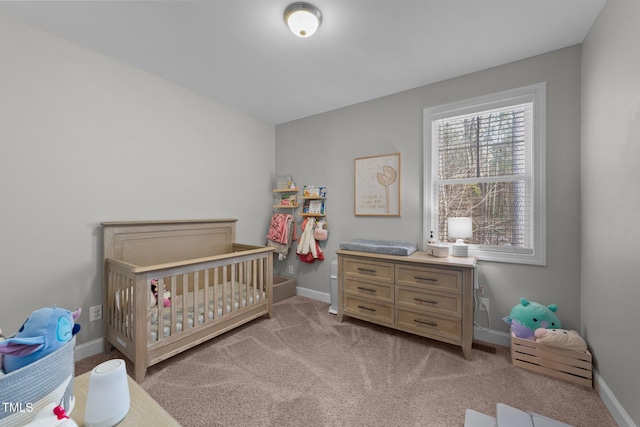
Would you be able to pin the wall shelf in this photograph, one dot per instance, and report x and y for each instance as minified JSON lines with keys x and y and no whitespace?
{"x":313,"y":202}
{"x":288,"y":194}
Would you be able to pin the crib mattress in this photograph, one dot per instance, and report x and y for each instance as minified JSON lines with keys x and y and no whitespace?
{"x":380,"y":247}
{"x":239,"y":300}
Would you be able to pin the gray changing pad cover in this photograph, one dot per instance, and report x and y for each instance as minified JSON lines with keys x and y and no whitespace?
{"x":380,"y":247}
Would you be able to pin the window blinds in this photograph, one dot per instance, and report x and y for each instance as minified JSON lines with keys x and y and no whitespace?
{"x":484,"y":171}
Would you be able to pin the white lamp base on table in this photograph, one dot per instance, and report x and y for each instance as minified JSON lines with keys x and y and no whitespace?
{"x":108,"y":397}
{"x":459,"y":248}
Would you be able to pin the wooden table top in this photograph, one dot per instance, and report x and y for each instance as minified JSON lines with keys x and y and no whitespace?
{"x":143,"y":410}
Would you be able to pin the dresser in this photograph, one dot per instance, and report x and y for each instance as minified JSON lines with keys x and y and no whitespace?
{"x":420,"y":294}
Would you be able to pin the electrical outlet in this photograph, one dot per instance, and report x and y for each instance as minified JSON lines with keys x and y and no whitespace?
{"x":484,"y":304}
{"x":95,"y":313}
{"x":291,"y":269}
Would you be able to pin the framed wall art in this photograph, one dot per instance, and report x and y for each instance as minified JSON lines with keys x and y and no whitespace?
{"x":377,"y":185}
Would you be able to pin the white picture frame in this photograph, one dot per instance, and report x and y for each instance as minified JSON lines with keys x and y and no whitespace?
{"x":377,"y":185}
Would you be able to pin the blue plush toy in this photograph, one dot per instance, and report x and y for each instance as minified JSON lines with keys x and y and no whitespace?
{"x":45,"y":331}
{"x":528,"y":316}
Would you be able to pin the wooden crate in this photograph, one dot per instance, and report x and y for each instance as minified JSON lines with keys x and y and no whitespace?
{"x":568,"y":365}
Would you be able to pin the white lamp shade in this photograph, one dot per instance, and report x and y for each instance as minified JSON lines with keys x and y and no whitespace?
{"x":108,"y":397}
{"x":303,"y":19}
{"x":460,"y":228}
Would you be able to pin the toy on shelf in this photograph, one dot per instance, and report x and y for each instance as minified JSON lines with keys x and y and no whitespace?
{"x":45,"y":331}
{"x":528,"y":316}
{"x":313,"y":205}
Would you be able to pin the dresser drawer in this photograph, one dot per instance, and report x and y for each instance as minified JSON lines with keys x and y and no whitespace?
{"x":429,"y":278}
{"x":383,"y":293}
{"x":434,"y":302}
{"x":429,"y":325}
{"x":366,"y":309}
{"x":369,"y":270}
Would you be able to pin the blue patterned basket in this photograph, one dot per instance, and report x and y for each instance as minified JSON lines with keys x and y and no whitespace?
{"x":24,"y":392}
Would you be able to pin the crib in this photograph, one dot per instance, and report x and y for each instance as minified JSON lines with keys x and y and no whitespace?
{"x":215,"y":286}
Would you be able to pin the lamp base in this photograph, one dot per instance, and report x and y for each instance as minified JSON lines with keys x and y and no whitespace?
{"x":460,"y":250}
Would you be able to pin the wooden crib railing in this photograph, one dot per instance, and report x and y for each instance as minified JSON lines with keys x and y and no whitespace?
{"x":192,"y":283}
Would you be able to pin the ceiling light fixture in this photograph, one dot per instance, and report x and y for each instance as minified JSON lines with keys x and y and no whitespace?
{"x":303,"y":19}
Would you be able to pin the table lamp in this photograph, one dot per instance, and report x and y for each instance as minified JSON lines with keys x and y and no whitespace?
{"x":108,"y":397}
{"x":459,"y":228}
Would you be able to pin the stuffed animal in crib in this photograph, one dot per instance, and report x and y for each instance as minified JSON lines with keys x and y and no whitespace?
{"x":561,"y":338}
{"x":166,"y":295}
{"x":528,"y":316}
{"x":45,"y":331}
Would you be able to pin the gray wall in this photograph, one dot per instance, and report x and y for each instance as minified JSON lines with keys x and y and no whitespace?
{"x":611,"y":198}
{"x":85,"y":139}
{"x":320,"y":150}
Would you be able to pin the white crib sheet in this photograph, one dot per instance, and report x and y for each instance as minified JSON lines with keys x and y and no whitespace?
{"x":238,"y":302}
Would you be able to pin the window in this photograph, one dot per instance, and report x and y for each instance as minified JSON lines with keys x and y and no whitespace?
{"x":484,"y":158}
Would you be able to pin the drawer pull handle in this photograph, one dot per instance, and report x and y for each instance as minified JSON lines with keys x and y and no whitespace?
{"x":426,"y":300}
{"x":366,"y":270}
{"x":367,"y":289}
{"x":425,"y":323}
{"x":366,"y":308}
{"x":428,"y":279}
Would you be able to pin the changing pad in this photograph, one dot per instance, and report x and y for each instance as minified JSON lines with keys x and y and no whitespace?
{"x":380,"y":247}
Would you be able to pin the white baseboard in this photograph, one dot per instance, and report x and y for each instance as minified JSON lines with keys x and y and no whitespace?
{"x":491,"y":336}
{"x":88,"y":349}
{"x":317,"y":295}
{"x":617,"y":411}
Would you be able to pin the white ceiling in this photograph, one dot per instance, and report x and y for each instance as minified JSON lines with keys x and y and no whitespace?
{"x":240,"y":52}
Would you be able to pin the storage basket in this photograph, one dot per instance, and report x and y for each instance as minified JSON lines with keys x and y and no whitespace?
{"x":283,"y":288}
{"x":24,"y":392}
{"x":568,"y":365}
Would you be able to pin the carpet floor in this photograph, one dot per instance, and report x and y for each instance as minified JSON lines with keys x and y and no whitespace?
{"x":303,"y":368}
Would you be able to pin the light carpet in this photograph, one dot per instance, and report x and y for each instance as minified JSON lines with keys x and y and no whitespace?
{"x":303,"y":368}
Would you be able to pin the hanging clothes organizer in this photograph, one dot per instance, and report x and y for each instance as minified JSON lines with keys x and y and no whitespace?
{"x":314,"y":227}
{"x":282,"y":230}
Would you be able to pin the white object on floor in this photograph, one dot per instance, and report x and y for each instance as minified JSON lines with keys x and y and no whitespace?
{"x":508,"y":416}
{"x":333,"y":287}
{"x":476,"y":419}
